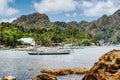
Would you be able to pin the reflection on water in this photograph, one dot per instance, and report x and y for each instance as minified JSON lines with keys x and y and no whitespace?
{"x":18,"y":63}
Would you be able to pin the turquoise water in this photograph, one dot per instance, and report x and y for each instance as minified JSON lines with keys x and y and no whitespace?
{"x":18,"y":63}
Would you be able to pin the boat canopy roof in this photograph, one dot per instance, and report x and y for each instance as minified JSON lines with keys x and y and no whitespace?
{"x":27,"y":40}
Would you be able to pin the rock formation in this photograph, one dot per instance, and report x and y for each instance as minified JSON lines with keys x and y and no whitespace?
{"x":59,"y":72}
{"x":107,"y":68}
{"x":44,"y":77}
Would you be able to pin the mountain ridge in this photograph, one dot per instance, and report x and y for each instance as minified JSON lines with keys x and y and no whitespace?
{"x":104,"y":28}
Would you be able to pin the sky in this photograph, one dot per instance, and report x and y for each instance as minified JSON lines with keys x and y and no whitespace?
{"x":58,"y":10}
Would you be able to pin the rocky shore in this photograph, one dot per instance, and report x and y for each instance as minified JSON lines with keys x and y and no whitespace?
{"x":107,"y":67}
{"x":59,"y":72}
{"x":51,"y":74}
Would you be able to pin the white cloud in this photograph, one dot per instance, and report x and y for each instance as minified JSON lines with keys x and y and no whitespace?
{"x":86,"y":4}
{"x":74,"y":14}
{"x":67,"y":15}
{"x":71,"y":15}
{"x":7,"y":20}
{"x":5,"y":9}
{"x":89,"y":8}
{"x":55,"y":6}
{"x":100,"y":7}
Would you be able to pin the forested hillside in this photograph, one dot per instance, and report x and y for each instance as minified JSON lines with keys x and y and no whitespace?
{"x":10,"y":33}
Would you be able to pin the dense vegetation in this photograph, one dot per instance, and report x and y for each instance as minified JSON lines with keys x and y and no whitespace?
{"x":10,"y":33}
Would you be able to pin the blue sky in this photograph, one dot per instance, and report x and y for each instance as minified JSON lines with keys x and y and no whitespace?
{"x":58,"y":10}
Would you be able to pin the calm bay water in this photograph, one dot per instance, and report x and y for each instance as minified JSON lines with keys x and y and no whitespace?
{"x":18,"y":63}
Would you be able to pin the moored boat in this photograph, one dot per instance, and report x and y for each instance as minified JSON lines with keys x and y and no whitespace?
{"x":47,"y":53}
{"x":50,"y":52}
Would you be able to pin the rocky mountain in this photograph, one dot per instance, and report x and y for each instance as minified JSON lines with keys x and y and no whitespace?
{"x":105,"y":28}
{"x":34,"y":20}
{"x":116,"y":16}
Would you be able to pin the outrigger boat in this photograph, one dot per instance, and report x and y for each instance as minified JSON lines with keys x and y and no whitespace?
{"x":42,"y":50}
{"x":47,"y":53}
{"x":50,"y":51}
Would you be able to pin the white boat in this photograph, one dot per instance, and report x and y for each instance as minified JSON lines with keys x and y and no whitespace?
{"x":50,"y":51}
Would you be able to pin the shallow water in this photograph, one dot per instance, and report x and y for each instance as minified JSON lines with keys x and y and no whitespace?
{"x":18,"y":63}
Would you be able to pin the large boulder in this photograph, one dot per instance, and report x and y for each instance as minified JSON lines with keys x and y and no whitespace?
{"x":107,"y":68}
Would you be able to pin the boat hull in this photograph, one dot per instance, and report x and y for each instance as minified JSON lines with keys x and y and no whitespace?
{"x":50,"y":53}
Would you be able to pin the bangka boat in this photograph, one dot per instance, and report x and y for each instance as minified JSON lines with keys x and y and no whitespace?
{"x":50,"y":52}
{"x":47,"y":53}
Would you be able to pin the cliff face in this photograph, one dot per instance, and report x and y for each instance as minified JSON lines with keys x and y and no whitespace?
{"x":107,"y":68}
{"x":116,"y":16}
{"x":106,"y":20}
